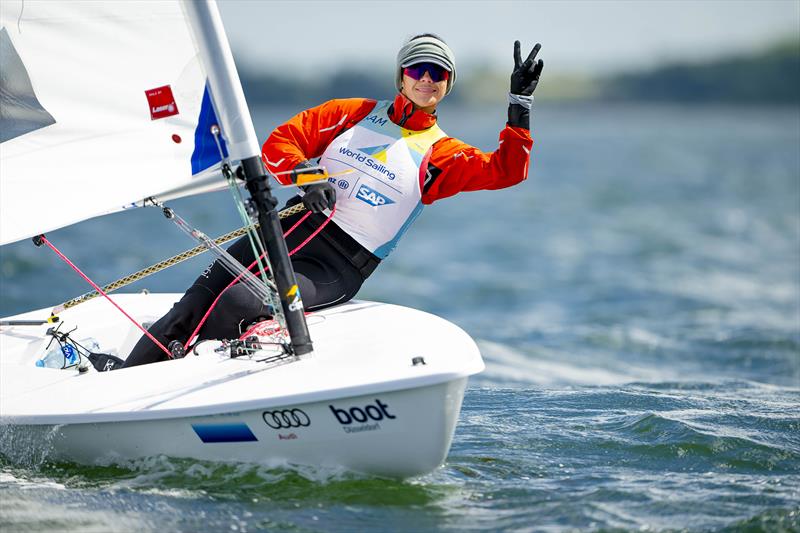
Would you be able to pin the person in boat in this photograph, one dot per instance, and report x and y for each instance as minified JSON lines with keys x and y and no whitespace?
{"x":387,"y":159}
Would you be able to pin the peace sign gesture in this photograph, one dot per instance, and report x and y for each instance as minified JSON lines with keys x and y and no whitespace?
{"x":526,"y":74}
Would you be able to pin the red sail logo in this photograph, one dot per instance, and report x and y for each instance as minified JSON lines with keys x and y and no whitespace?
{"x":162,"y":103}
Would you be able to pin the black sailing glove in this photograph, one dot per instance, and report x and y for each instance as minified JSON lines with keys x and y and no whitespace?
{"x":319,"y":196}
{"x":524,"y":80}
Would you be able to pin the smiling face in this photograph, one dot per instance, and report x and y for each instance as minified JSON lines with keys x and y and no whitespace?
{"x":424,"y":92}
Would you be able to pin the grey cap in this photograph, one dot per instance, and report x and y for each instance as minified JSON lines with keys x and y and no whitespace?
{"x":426,"y":48}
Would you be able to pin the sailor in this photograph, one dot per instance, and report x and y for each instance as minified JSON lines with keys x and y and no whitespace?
{"x":387,"y":160}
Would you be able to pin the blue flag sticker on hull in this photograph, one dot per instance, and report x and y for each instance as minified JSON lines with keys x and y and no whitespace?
{"x":210,"y":433}
{"x":372,"y":197}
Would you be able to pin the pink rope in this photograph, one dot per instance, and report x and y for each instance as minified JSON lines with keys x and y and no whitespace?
{"x":302,"y":219}
{"x":237,"y":278}
{"x":100,"y":291}
{"x":316,"y":231}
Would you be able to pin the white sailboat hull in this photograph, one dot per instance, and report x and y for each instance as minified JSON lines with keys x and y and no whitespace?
{"x":357,"y":402}
{"x":414,"y":442}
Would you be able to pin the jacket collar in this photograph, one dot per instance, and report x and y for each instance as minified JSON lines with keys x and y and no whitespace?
{"x":402,"y":113}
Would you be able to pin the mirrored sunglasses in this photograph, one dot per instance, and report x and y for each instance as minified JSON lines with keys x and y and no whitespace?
{"x":418,"y":70}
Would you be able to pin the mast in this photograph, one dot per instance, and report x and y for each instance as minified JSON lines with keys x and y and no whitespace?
{"x":237,"y":127}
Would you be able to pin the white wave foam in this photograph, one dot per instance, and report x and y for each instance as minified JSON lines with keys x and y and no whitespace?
{"x":9,"y":480}
{"x":551,"y":367}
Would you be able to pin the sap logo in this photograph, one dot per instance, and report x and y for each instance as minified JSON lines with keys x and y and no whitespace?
{"x":372,"y":197}
{"x":375,"y":119}
{"x":377,"y":412}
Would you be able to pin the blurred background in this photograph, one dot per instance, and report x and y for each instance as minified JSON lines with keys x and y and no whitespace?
{"x":680,"y":51}
{"x":636,"y":300}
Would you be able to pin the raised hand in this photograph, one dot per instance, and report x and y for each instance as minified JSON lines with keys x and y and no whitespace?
{"x":526,"y":74}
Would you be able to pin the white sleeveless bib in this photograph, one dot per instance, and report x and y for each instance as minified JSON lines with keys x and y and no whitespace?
{"x":380,"y":197}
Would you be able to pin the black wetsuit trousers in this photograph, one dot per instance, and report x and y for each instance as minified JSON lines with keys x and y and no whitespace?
{"x":325,"y":277}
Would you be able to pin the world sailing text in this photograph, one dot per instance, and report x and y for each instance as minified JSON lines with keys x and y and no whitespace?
{"x":371,"y":163}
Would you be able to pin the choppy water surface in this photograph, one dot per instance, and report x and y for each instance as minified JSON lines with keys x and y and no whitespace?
{"x":637,"y":302}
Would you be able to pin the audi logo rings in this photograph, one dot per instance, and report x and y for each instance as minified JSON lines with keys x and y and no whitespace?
{"x":286,"y":418}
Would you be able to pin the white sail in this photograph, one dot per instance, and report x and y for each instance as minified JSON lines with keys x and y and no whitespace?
{"x":102,"y":104}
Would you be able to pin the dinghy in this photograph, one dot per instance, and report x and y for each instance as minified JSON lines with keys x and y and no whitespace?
{"x":109,"y":106}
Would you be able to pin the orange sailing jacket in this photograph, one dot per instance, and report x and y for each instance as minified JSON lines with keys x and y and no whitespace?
{"x":452,"y":165}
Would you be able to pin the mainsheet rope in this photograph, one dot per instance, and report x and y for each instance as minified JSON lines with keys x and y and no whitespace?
{"x":43,"y":239}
